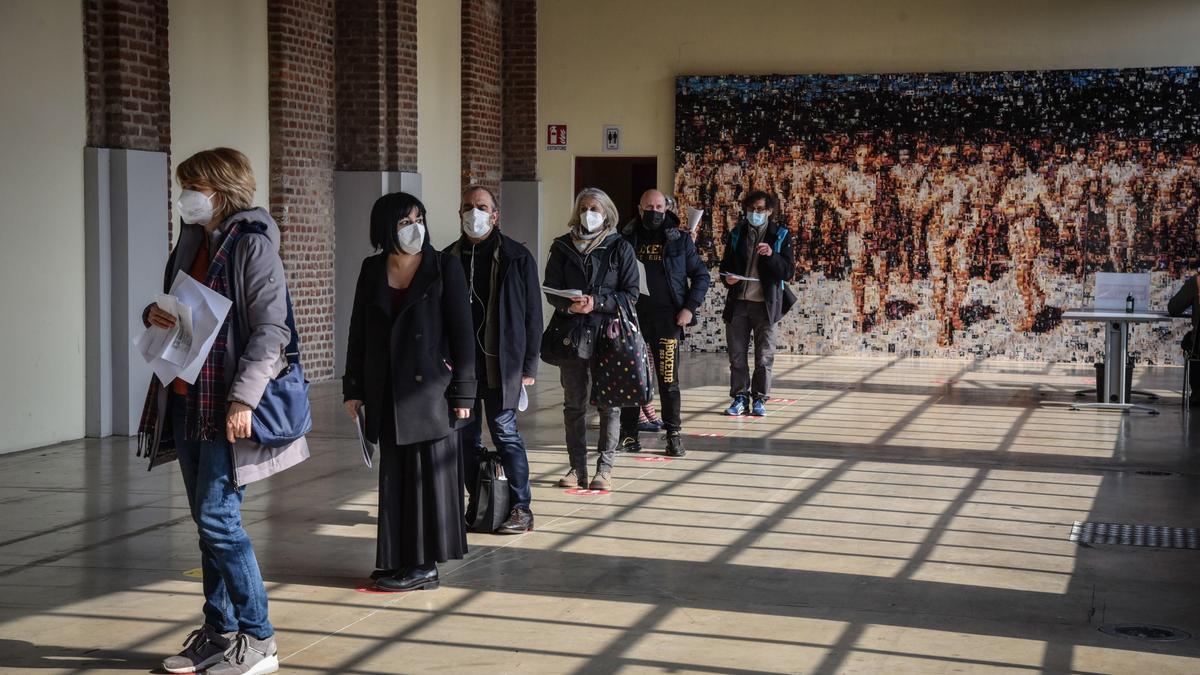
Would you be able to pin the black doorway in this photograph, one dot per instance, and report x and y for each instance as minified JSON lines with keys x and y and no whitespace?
{"x":623,"y":178}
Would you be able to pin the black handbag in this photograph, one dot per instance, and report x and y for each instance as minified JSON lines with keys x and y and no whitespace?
{"x":621,"y":374}
{"x":489,"y":507}
{"x":568,"y":338}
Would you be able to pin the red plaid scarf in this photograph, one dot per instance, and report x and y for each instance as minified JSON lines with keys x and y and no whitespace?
{"x":204,"y":420}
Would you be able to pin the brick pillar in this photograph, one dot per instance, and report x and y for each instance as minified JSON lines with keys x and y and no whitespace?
{"x":126,"y":212}
{"x":519,"y":90}
{"x":128,"y":81}
{"x":376,"y":132}
{"x":481,"y":107}
{"x":301,"y":111}
{"x":376,"y":85}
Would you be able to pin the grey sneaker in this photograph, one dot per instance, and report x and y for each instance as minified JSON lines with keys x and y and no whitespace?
{"x":202,"y":648}
{"x":602,"y":481}
{"x":572,"y":479}
{"x":248,"y":656}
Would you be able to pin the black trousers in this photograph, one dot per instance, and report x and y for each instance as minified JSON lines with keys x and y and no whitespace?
{"x":664,"y":345}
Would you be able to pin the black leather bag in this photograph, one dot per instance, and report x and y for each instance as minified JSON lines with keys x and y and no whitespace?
{"x":568,"y":338}
{"x":489,"y":508}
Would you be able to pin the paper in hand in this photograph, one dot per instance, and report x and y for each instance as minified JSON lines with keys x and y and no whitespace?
{"x":737,"y":277}
{"x":563,"y":293}
{"x":693,"y":218}
{"x":643,"y":289}
{"x":205,"y":311}
{"x":368,"y":448}
{"x":523,"y":401}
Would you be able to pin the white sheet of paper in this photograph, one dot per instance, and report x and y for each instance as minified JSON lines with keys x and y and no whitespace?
{"x":737,"y":277}
{"x":1112,"y":288}
{"x":523,"y":400}
{"x":168,"y":344}
{"x":368,"y":448}
{"x":563,"y":292}
{"x":693,"y":218}
{"x":207,"y":310}
{"x":642,"y":288}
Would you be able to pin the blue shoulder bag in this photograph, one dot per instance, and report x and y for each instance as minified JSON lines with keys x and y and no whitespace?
{"x":284,"y":414}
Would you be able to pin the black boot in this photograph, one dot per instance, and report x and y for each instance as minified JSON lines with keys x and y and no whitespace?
{"x":520,"y":521}
{"x":423,"y":578}
{"x":629,"y":442}
{"x":675,"y":444}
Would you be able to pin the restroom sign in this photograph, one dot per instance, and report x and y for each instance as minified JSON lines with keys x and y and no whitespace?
{"x":556,"y":137}
{"x":612,"y":138}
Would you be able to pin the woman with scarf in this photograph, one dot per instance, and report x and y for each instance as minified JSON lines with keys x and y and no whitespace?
{"x":596,"y":259}
{"x":233,"y":248}
{"x":410,"y":372}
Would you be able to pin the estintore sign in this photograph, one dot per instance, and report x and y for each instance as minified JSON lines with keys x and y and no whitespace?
{"x":556,"y":137}
{"x":612,"y":138}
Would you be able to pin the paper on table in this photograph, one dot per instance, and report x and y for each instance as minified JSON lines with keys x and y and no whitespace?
{"x":368,"y":448}
{"x":563,"y":293}
{"x":693,"y":218}
{"x":737,"y":277}
{"x":643,"y":289}
{"x":208,"y":310}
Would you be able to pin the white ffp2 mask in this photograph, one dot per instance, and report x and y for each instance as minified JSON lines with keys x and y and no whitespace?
{"x":476,"y":223}
{"x":592,"y":221}
{"x":195,"y":207}
{"x":410,"y":238}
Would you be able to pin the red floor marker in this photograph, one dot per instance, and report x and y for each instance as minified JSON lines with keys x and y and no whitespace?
{"x":708,"y":435}
{"x":781,"y":400}
{"x":653,"y":458}
{"x":583,"y":492}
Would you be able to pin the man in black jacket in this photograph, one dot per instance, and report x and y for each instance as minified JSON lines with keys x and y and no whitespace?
{"x":756,"y":266}
{"x":506,"y":308}
{"x":677,"y":281}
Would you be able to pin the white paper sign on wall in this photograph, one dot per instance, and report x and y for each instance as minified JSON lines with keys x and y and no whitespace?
{"x":612,"y":138}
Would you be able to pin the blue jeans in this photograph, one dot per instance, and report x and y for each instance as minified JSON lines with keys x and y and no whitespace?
{"x":235,"y":598}
{"x":502,"y":422}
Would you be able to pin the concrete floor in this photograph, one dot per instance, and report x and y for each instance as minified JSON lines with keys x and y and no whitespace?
{"x":888,"y":516}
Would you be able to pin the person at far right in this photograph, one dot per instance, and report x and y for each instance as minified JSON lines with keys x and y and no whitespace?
{"x":1188,"y":297}
{"x":757,"y":263}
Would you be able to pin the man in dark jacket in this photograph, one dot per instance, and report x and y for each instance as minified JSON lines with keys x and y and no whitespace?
{"x":506,"y":308}
{"x":1188,"y":297}
{"x":677,"y":281}
{"x":756,"y":265}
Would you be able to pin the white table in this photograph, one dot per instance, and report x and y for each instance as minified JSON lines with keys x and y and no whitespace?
{"x":1116,"y":352}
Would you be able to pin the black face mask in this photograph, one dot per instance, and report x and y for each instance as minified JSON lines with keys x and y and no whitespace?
{"x":653,"y":219}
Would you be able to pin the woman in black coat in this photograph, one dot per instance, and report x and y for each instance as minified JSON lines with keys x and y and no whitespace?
{"x":410,"y":368}
{"x":594,"y":258}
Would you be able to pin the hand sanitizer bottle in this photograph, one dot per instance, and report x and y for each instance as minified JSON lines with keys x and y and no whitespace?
{"x":1129,"y":303}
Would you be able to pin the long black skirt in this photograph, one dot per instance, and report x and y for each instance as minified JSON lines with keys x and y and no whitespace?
{"x":420,"y":502}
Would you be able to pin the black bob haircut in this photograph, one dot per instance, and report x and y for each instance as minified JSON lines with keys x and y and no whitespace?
{"x":757,"y":195}
{"x":389,"y":210}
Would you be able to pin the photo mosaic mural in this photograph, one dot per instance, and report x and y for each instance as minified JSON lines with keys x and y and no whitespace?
{"x":951,"y":214}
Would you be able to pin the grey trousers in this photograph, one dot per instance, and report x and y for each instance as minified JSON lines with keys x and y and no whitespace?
{"x":576,"y":384}
{"x":750,"y":320}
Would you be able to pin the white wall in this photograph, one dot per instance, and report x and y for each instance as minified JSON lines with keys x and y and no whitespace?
{"x":219,"y":83}
{"x":615,"y":62}
{"x":439,"y":115}
{"x":42,"y":135}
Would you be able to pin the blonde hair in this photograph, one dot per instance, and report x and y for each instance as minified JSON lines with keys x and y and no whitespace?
{"x":226,"y":172}
{"x":606,"y":205}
